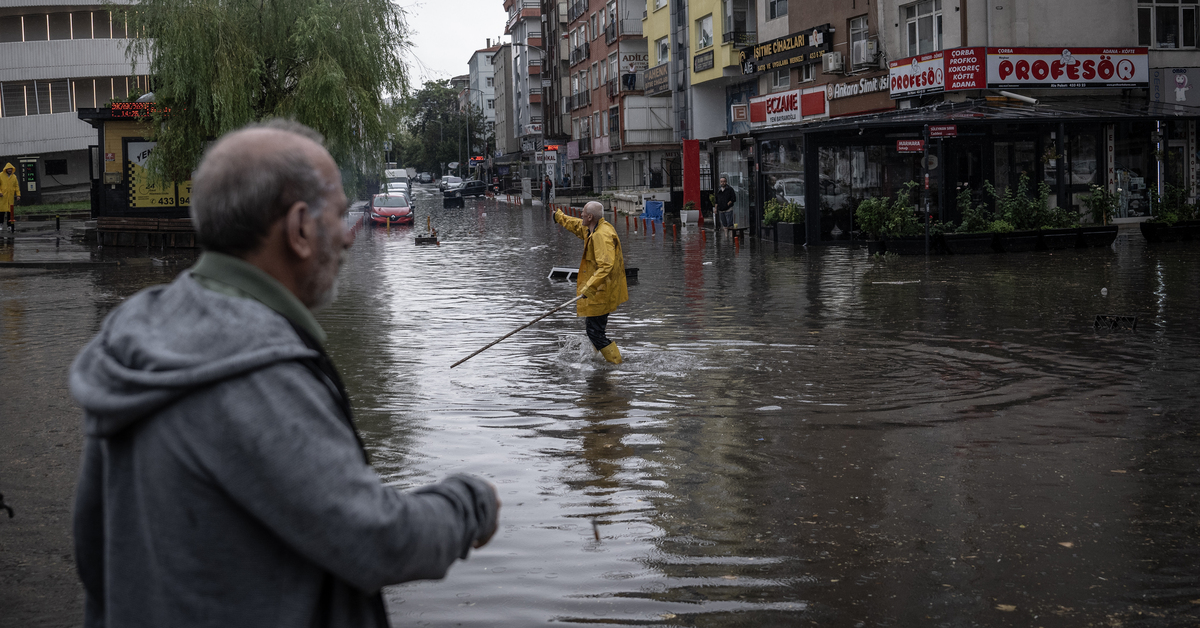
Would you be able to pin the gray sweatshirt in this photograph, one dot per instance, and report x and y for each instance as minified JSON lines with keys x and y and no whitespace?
{"x":223,"y":483}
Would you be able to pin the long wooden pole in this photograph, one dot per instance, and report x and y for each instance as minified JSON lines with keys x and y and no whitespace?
{"x":496,"y":341}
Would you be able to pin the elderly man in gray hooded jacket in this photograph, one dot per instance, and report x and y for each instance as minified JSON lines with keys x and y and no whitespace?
{"x":223,"y":482}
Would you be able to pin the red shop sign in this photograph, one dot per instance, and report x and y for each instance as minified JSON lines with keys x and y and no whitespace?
{"x":910,"y":146}
{"x":943,"y":130}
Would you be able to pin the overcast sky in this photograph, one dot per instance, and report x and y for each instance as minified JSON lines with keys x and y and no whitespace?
{"x":446,"y":32}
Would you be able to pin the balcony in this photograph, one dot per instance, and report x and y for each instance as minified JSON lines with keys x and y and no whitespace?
{"x":577,"y":9}
{"x":623,"y":27}
{"x":581,"y":53}
{"x":740,"y":37}
{"x":582,"y":99}
{"x":535,"y":95}
{"x":649,"y":136}
{"x":535,"y":70}
{"x":585,"y":145}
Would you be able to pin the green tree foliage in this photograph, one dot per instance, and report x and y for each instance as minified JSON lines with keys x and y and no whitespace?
{"x":217,"y":65}
{"x":1022,"y":210}
{"x":434,"y":130}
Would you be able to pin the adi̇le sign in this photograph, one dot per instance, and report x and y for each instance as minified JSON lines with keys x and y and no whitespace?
{"x":796,"y":50}
{"x":1007,"y":68}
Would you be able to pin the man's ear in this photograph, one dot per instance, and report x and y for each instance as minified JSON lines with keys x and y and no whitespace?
{"x":299,"y":231}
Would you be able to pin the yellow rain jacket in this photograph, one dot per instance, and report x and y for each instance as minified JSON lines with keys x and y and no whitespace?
{"x":602,"y":269}
{"x":10,"y":188}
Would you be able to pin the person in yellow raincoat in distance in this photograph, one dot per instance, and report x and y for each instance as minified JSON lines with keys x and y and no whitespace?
{"x":10,"y":191}
{"x":601,"y":278}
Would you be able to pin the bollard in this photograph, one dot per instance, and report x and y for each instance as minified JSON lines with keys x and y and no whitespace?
{"x":643,"y":226}
{"x":626,"y":223}
{"x":736,"y":245}
{"x":57,"y":224}
{"x":653,"y":228}
{"x":674,"y":231}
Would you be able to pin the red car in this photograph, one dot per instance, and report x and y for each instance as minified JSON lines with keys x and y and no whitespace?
{"x":395,"y":209}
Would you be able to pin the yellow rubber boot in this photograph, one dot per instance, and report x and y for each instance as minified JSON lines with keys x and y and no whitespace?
{"x":612,"y":353}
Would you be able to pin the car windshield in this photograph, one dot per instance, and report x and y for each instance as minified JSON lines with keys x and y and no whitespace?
{"x":391,"y":201}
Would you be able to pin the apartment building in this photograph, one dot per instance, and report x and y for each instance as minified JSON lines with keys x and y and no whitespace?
{"x":614,"y":126}
{"x":57,"y":58}
{"x":481,"y":81}
{"x":524,"y":27}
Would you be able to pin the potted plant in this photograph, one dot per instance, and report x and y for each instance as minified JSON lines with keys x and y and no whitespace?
{"x":772,"y":212}
{"x":690,"y":213}
{"x":1102,"y":206}
{"x":790,"y":227}
{"x":902,"y":232}
{"x":1174,"y":219}
{"x":872,"y":217}
{"x":1022,"y":213}
{"x":975,"y":234}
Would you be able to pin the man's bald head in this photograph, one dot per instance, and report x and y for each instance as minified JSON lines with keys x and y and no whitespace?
{"x":594,"y":209}
{"x":249,"y":178}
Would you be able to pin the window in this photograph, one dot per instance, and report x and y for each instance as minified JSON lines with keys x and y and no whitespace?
{"x":594,"y":30}
{"x":776,"y":8}
{"x":807,"y":73}
{"x":491,"y":104}
{"x":595,"y":74}
{"x":614,"y":120}
{"x":858,"y":41}
{"x":1166,"y":24}
{"x":491,"y":81}
{"x":923,"y":26}
{"x":658,"y":4}
{"x":663,"y":46}
{"x":704,"y":32}
{"x":781,"y":79}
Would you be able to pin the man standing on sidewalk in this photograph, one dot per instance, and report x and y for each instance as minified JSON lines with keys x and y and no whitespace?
{"x":223,"y":481}
{"x":726,"y":197}
{"x":10,"y":193}
{"x":601,"y":278}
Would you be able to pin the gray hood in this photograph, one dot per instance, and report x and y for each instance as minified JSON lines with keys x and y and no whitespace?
{"x":167,"y":341}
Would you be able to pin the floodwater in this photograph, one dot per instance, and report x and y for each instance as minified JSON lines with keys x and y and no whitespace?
{"x":797,"y":437}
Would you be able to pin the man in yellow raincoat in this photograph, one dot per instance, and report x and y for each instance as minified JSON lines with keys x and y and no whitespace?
{"x":601,"y":278}
{"x":10,"y":191}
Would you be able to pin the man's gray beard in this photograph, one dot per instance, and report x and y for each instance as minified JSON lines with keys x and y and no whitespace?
{"x":323,"y":284}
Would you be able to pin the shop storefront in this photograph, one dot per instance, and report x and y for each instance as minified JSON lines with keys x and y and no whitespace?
{"x":1084,"y":133}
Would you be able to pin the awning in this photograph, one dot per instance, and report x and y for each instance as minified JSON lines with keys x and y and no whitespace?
{"x":1002,"y":110}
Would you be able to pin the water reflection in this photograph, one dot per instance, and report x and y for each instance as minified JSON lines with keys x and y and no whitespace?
{"x":796,"y":437}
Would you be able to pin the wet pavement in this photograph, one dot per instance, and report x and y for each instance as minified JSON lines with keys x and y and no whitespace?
{"x":797,"y":437}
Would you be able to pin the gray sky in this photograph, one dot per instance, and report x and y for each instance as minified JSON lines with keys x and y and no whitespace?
{"x":446,"y":32}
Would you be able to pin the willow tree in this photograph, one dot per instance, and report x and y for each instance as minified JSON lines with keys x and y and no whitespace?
{"x":217,"y":65}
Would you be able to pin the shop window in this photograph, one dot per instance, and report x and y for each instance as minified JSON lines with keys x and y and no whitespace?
{"x":704,"y":32}
{"x":776,"y":8}
{"x":922,"y":26}
{"x":60,"y":26}
{"x":36,"y":27}
{"x":55,"y":167}
{"x":663,"y":46}
{"x":782,"y":164}
{"x":81,"y":25}
{"x":10,"y":29}
{"x":1167,"y":23}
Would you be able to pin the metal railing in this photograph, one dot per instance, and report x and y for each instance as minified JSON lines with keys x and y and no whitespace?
{"x":616,"y":29}
{"x":649,"y":136}
{"x":581,"y":52}
{"x":581,"y":99}
{"x":740,"y":37}
{"x":585,"y":145}
{"x":578,"y":8}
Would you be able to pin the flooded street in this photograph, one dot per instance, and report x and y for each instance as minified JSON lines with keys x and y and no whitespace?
{"x":796,"y":437}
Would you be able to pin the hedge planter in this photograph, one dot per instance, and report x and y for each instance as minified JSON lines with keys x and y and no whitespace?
{"x":1059,"y":239}
{"x":907,"y":245}
{"x":969,"y":243}
{"x":1157,"y":232}
{"x":790,"y":233}
{"x":1017,"y":241}
{"x":767,"y":233}
{"x":1097,"y":237}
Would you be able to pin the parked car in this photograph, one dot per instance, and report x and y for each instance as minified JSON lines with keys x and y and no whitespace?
{"x":471,"y":187}
{"x":447,"y":181}
{"x":394,"y":188}
{"x":425,"y":177}
{"x":391,"y":208}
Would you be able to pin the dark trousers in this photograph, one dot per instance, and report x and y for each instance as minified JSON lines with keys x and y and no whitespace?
{"x":595,"y":331}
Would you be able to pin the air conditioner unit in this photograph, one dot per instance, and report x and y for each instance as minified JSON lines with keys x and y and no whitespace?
{"x":831,"y":62}
{"x":864,"y":53}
